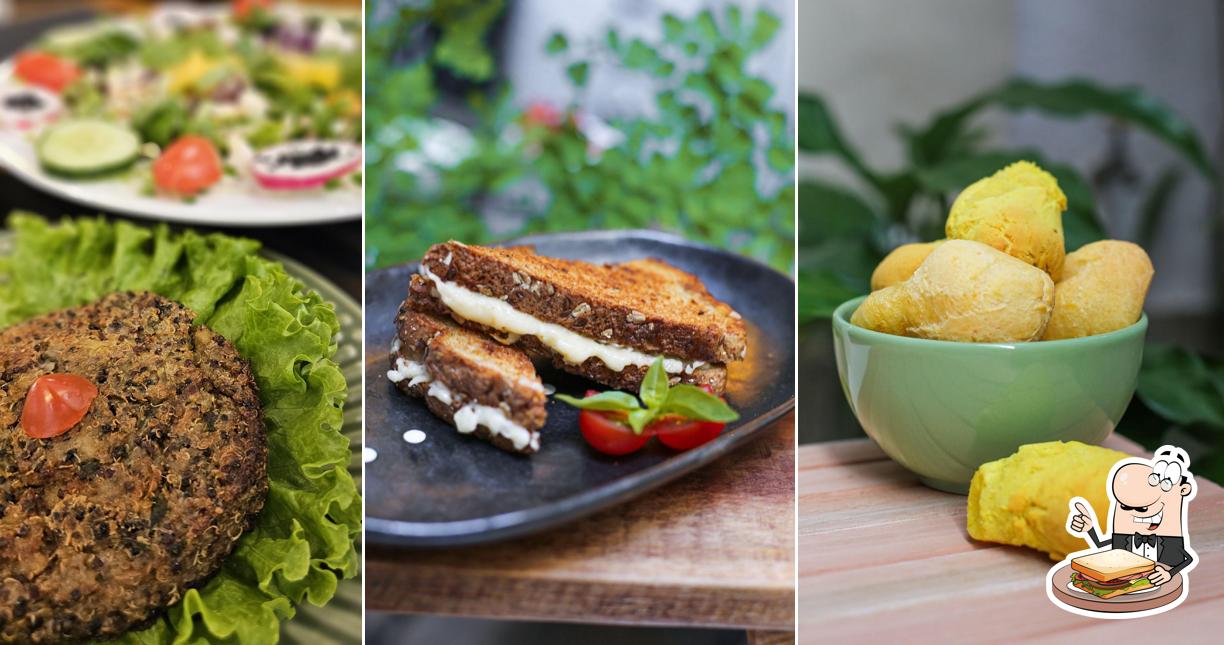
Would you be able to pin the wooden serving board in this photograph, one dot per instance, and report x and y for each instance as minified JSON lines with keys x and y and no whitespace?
{"x":714,"y":549}
{"x":883,"y":558}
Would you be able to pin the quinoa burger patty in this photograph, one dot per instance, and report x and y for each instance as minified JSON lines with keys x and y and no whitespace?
{"x":106,"y":525}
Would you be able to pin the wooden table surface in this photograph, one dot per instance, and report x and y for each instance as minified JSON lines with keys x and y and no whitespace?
{"x":884,"y":557}
{"x":715,"y":549}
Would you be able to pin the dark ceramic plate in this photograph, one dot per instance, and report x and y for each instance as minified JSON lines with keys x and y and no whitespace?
{"x":451,"y":489}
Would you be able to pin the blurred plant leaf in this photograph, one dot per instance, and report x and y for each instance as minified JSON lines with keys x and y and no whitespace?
{"x":819,"y":134}
{"x":1074,"y":98}
{"x":765,"y":27}
{"x":578,"y":73}
{"x":1155,"y":205}
{"x":820,"y":293}
{"x":837,"y":256}
{"x":1182,"y":386}
{"x":463,"y":26}
{"x":557,"y":44}
{"x":828,"y":211}
{"x":1210,"y":466}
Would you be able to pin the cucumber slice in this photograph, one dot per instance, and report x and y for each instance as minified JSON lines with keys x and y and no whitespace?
{"x":83,"y":147}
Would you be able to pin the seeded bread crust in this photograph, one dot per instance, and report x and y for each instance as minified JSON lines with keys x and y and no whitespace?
{"x":475,"y":368}
{"x":646,"y":305}
{"x":713,"y":375}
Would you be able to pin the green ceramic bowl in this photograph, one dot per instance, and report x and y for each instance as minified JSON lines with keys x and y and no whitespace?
{"x":941,"y":409}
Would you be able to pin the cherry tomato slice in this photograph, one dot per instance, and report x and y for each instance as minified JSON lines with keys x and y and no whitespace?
{"x":46,"y":70}
{"x":605,"y":433}
{"x":56,"y":403}
{"x":187,"y":166}
{"x":679,"y":433}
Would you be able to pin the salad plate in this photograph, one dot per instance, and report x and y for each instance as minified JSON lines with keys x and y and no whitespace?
{"x":435,"y":487}
{"x":93,"y":113}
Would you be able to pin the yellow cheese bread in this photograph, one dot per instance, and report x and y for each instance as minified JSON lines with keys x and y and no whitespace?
{"x":1102,"y":289}
{"x":899,"y":265}
{"x":1023,"y":499}
{"x":963,"y":291}
{"x":1018,"y":211}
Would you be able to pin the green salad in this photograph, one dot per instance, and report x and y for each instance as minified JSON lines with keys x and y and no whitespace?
{"x":261,"y":95}
{"x":304,"y":541}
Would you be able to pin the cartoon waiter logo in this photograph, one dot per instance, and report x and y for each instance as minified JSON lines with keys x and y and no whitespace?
{"x":1140,"y":566}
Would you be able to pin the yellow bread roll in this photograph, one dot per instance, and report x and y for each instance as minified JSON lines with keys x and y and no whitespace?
{"x":964,"y":291}
{"x":899,"y":265}
{"x":1024,"y":499}
{"x":1102,"y":289}
{"x":1017,"y":210}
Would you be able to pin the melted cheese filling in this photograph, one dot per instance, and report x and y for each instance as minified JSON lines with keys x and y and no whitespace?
{"x":469,"y":416}
{"x":573,"y":347}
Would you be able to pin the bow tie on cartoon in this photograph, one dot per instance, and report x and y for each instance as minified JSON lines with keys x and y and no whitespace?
{"x":1151,"y":540}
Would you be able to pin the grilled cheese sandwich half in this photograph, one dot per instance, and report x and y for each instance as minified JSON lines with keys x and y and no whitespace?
{"x":477,"y":385}
{"x":605,"y":322}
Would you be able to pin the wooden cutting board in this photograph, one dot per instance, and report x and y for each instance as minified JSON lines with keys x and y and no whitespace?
{"x":883,"y":558}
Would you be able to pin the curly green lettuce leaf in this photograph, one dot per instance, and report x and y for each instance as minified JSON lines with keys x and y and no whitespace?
{"x":303,"y":543}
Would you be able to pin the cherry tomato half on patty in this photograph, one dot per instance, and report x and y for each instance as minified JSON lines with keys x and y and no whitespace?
{"x":46,"y":70}
{"x":56,"y":403}
{"x":187,"y":166}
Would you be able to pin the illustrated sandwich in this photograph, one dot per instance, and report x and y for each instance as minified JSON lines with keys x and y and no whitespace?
{"x":479,"y":386}
{"x":1111,"y":573}
{"x":607,"y":323}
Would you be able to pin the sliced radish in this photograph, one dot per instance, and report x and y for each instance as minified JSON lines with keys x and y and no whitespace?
{"x":304,"y":164}
{"x":26,"y":108}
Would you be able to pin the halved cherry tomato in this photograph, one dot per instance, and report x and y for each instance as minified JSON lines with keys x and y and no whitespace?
{"x":679,"y":433}
{"x":607,"y":433}
{"x":56,"y":403}
{"x":46,"y":70}
{"x":243,"y":8}
{"x":187,"y":166}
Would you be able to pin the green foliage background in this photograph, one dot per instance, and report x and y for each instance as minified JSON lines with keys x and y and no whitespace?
{"x":846,"y":228}
{"x":712,"y":160}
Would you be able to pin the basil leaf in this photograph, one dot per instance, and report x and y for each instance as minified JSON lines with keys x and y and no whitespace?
{"x":611,"y":401}
{"x":639,"y":419}
{"x":692,"y":402}
{"x":654,"y":385}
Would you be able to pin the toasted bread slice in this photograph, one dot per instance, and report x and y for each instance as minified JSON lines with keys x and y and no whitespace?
{"x":469,"y":380}
{"x":646,"y":306}
{"x":712,"y":375}
{"x":1110,"y":565}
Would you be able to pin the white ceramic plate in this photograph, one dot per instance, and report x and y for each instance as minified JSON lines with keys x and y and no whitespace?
{"x":232,"y":202}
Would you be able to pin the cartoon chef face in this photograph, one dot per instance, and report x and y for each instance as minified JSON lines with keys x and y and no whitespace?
{"x":1151,"y":498}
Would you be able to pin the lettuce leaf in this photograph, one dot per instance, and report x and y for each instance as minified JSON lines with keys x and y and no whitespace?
{"x":303,"y":543}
